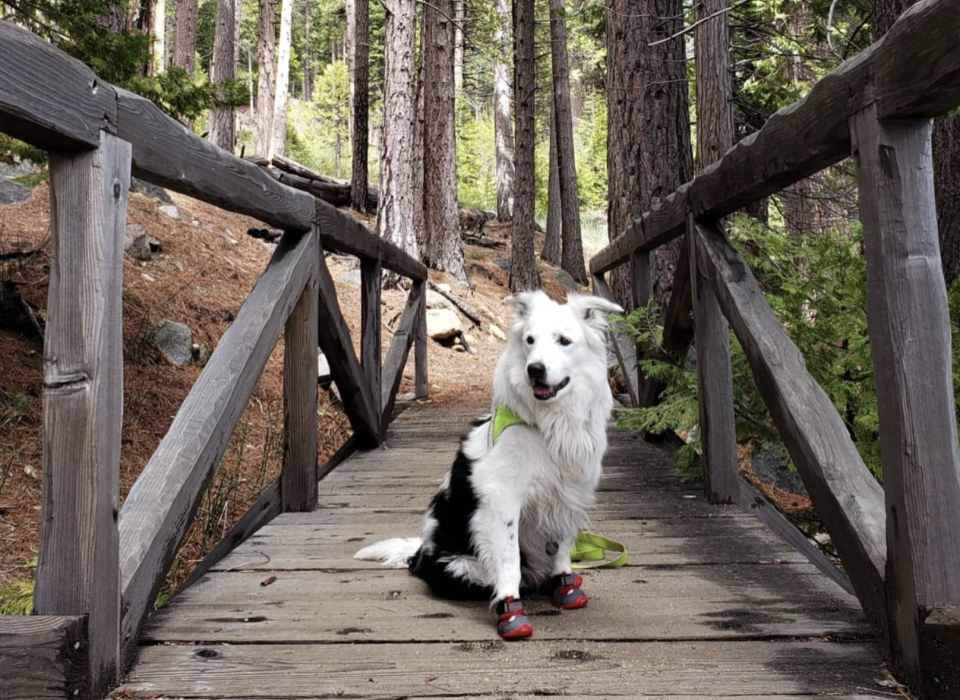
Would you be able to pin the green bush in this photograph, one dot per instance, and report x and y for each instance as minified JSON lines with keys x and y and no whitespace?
{"x":816,"y":286}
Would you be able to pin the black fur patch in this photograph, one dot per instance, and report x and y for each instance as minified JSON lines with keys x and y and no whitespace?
{"x":453,"y":508}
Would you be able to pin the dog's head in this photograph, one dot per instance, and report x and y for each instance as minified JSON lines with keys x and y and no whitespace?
{"x":556,"y":347}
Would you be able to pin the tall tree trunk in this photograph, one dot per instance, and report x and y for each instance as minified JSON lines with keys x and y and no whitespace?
{"x":946,"y":157}
{"x":395,"y":215}
{"x":523,"y":268}
{"x":283,"y":79}
{"x":458,"y":17}
{"x":441,"y":213}
{"x":648,"y":129}
{"x":714,"y":83}
{"x":417,"y":160}
{"x":223,"y":66}
{"x":155,"y":24}
{"x":503,"y":126}
{"x":572,"y":251}
{"x":266,"y":78}
{"x":551,"y":244}
{"x":350,"y":7}
{"x":185,"y":37}
{"x":307,"y":55}
{"x":361,"y":104}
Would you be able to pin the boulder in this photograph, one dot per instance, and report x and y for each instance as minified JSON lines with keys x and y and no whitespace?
{"x":170,"y":211}
{"x":150,"y":190}
{"x":442,"y":324}
{"x":353,"y":278}
{"x":436,"y":300}
{"x":496,"y":332}
{"x":138,"y":243}
{"x":175,"y":342}
{"x":12,"y":192}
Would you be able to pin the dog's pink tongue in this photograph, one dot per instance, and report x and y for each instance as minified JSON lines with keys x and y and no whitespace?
{"x":542,"y":390}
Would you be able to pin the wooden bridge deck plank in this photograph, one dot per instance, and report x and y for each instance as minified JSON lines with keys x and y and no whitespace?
{"x":702,"y":610}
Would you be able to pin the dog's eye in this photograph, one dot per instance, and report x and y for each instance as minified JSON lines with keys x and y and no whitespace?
{"x":529,"y":340}
{"x":564,"y":340}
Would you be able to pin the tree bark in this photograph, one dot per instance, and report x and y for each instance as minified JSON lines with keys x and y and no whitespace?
{"x":395,"y":218}
{"x":361,"y":104}
{"x":350,"y":8}
{"x":523,"y":268}
{"x":441,"y":214}
{"x":648,"y":129}
{"x":266,"y":78}
{"x":156,"y":26}
{"x":713,"y":81}
{"x":223,"y":66}
{"x":572,"y":250}
{"x":946,"y":157}
{"x":417,"y":159}
{"x":185,"y":38}
{"x":503,"y":126}
{"x":551,"y":244}
{"x":283,"y":79}
{"x":458,"y":17}
{"x":307,"y":56}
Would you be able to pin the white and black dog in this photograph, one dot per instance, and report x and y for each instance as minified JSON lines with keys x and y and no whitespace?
{"x":508,"y":512}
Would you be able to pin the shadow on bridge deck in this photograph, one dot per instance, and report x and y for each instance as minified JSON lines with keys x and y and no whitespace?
{"x":710,"y":605}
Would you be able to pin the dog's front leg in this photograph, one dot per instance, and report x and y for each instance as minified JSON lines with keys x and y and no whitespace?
{"x":496,"y":529}
{"x":566,"y":584}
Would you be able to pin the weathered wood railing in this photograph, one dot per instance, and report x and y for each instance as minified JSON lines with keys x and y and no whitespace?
{"x":899,"y":543}
{"x":101,"y":566}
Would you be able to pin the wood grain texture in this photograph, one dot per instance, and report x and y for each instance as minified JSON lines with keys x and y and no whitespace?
{"x":422,"y":389}
{"x":370,"y":350}
{"x":939,"y":641}
{"x":48,"y":99}
{"x":623,"y":345}
{"x":43,"y":658}
{"x":848,"y":499}
{"x":909,"y":328}
{"x":167,"y":154}
{"x":399,"y":349}
{"x":161,"y":504}
{"x":718,"y":428}
{"x":495,"y":669}
{"x":77,"y":570}
{"x":298,"y":478}
{"x":912,"y":71}
{"x":334,"y":339}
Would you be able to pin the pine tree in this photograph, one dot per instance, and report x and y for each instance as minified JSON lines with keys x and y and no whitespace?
{"x":223,"y":66}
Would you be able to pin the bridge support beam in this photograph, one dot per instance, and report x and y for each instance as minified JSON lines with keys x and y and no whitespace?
{"x":909,"y":328}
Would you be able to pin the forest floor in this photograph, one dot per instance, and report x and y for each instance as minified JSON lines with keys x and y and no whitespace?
{"x":207,"y":266}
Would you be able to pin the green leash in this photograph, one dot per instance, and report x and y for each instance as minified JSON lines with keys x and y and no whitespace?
{"x":587,"y":547}
{"x":593,"y":549}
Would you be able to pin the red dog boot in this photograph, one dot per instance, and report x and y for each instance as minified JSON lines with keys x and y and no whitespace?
{"x":512,"y":623}
{"x":567,"y":593}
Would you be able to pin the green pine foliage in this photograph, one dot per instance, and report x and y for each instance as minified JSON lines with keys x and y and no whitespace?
{"x":816,"y":287}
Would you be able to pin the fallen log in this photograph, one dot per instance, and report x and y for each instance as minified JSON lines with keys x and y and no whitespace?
{"x":456,"y":301}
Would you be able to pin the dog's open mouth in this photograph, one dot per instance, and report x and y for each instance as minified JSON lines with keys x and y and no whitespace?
{"x":543,"y":391}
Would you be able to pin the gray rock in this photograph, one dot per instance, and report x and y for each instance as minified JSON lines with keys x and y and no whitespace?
{"x":353,"y":277}
{"x":170,"y":211}
{"x":175,"y":342}
{"x":504,"y":264}
{"x":442,"y":324}
{"x":496,"y":332}
{"x":323,"y":368}
{"x":408,"y":396}
{"x":444,"y":287}
{"x":138,"y":243}
{"x":566,"y":279}
{"x":150,"y":190}
{"x":771,"y":464}
{"x":24,"y":167}
{"x":12,"y":192}
{"x":435,"y":300}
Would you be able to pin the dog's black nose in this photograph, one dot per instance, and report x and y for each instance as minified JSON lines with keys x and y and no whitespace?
{"x":537,"y":372}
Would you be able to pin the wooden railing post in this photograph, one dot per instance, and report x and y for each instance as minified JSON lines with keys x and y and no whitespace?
{"x":370,"y":355}
{"x":909,"y":327}
{"x":298,"y":480}
{"x":420,"y":351}
{"x":78,"y":571}
{"x":718,"y":430}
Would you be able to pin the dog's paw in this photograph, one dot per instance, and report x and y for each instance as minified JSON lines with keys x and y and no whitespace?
{"x":512,"y":623}
{"x":567,"y":594}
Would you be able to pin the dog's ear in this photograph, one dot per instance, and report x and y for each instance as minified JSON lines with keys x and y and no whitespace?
{"x":593,"y":309}
{"x":522,"y":303}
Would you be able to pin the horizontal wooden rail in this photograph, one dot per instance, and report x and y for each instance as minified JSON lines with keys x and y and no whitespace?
{"x":913,"y":71}
{"x":161,"y":504}
{"x":848,"y":499}
{"x":54,"y":102}
{"x":43,"y":657}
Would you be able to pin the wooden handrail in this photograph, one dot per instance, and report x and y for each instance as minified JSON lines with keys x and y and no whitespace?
{"x":913,"y":71}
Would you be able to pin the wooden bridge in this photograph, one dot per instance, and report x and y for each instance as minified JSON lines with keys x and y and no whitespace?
{"x":713,"y":604}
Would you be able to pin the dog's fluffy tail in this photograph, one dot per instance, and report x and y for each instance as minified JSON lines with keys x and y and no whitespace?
{"x":394,"y":552}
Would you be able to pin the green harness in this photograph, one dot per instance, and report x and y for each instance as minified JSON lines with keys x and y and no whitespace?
{"x":587,"y":547}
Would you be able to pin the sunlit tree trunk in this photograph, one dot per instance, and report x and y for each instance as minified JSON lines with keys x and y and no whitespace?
{"x":503,"y":125}
{"x":283,"y":79}
{"x":266,"y":78}
{"x":185,"y":37}
{"x":223,"y":66}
